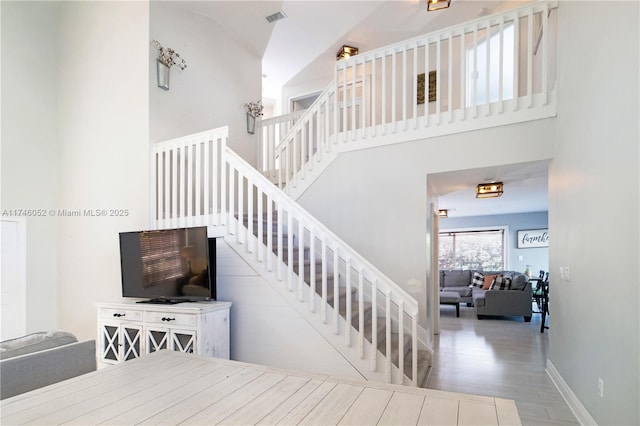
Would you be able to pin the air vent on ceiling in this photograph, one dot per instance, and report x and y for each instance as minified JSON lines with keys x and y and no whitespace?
{"x":276,"y":16}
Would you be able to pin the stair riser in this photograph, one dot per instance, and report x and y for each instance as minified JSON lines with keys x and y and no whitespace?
{"x":381,"y":326}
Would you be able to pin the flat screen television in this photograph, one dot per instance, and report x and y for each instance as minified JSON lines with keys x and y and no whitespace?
{"x":168,"y":265}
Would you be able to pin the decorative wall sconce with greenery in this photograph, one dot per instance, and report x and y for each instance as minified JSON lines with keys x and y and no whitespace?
{"x":254,"y":109}
{"x":167,"y":57}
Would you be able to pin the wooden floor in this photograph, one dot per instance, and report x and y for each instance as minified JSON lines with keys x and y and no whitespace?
{"x":505,"y":358}
{"x":175,"y":388}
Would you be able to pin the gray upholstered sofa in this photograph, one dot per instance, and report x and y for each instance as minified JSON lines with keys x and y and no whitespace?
{"x":40,"y":359}
{"x":458,"y":282}
{"x":515,"y":301}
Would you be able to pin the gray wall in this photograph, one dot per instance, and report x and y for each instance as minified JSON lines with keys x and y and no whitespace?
{"x":538,"y":258}
{"x":595,"y":320}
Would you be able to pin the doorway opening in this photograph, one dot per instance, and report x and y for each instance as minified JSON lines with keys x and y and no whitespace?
{"x":300,"y":103}
{"x":462,"y":242}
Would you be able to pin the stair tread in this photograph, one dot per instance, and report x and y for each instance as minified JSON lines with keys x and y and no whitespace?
{"x":424,"y":367}
{"x":424,"y":357}
{"x":355,"y":312}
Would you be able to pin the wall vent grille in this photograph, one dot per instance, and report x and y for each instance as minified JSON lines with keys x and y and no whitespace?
{"x":276,"y":16}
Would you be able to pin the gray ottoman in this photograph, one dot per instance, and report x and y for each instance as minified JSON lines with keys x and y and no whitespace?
{"x":451,"y":298}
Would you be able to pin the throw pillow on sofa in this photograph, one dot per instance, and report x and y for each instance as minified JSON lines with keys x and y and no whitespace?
{"x":501,"y":283}
{"x":488,"y":281}
{"x":519,"y":282}
{"x":478,"y":280}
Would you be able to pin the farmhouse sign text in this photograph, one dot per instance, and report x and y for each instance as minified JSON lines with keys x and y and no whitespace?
{"x":533,"y":238}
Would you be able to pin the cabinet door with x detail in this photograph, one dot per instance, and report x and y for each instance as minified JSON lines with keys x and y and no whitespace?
{"x":157,"y":338}
{"x":184,"y":340}
{"x":120,"y":342}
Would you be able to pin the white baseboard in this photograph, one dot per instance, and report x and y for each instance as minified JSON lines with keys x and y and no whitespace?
{"x":581,"y":413}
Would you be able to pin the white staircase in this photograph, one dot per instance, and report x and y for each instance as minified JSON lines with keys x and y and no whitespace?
{"x":365,"y":315}
{"x":494,"y":71}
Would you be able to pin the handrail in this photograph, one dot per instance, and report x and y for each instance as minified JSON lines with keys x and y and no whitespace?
{"x":267,"y":205}
{"x":494,"y":70}
{"x":312,"y":108}
{"x":177,"y":182}
{"x":282,"y":199}
{"x":313,"y":129}
{"x":467,"y":26}
{"x":270,"y":133}
{"x":291,"y":116}
{"x":200,"y":181}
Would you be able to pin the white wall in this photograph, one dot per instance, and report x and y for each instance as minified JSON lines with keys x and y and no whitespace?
{"x":86,"y":75}
{"x":295,"y":90}
{"x":595,"y":320}
{"x":265,"y":329}
{"x":376,"y":199}
{"x":30,"y":145}
{"x":103,"y":138}
{"x":221,"y":76}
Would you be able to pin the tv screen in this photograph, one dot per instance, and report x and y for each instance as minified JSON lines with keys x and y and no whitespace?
{"x":168,"y":265}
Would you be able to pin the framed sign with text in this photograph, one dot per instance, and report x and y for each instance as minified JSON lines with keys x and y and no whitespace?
{"x":533,"y":238}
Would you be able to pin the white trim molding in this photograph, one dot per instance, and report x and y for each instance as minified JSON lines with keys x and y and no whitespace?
{"x":579,"y":410}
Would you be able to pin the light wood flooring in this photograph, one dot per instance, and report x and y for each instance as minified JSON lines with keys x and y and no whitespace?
{"x":168,"y":387}
{"x":504,"y":358}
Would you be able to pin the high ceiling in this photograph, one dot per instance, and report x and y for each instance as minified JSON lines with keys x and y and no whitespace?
{"x":302,"y":47}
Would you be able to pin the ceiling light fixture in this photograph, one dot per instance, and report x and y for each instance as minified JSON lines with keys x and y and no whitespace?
{"x":346,"y":52}
{"x":443,"y":213}
{"x":433,"y":5}
{"x":489,"y":190}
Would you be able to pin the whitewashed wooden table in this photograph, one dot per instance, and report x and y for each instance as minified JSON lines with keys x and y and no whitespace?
{"x":175,"y":388}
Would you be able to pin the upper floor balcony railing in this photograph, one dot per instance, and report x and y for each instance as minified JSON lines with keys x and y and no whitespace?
{"x":495,"y":70}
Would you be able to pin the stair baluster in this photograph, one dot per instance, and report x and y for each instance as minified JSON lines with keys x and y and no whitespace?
{"x":307,"y":257}
{"x":375,"y":93}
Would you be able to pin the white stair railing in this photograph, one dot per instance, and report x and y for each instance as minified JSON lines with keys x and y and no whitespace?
{"x":199,"y":181}
{"x":495,"y":70}
{"x":189,"y":185}
{"x":270,"y":131}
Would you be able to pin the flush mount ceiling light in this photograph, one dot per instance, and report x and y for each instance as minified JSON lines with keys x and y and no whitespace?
{"x":433,"y":5}
{"x":346,"y":52}
{"x":489,"y":190}
{"x":443,"y":213}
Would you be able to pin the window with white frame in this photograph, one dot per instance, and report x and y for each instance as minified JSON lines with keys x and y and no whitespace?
{"x":475,"y":250}
{"x":477,"y":68}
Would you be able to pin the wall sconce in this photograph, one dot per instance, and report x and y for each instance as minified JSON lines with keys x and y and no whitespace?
{"x":433,"y":5}
{"x":346,"y":52}
{"x":443,"y":213}
{"x":489,"y":190}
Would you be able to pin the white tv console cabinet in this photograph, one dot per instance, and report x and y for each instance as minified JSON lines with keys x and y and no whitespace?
{"x":127,"y":330}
